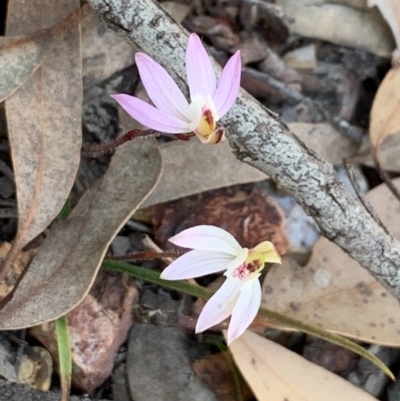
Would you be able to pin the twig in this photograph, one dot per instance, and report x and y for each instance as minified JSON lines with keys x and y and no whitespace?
{"x":262,"y":140}
{"x":271,"y":9}
{"x":384,"y":175}
{"x":149,"y":243}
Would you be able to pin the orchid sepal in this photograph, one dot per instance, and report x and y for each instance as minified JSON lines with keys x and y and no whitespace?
{"x":172,"y":113}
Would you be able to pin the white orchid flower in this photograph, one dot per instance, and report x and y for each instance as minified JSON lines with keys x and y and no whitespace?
{"x":215,"y":250}
{"x":172,"y":113}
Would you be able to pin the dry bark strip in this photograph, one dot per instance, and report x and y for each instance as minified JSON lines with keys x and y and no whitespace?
{"x":261,"y":139}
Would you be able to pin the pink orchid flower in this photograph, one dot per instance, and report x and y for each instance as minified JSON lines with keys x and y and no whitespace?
{"x":172,"y":113}
{"x":215,"y":250}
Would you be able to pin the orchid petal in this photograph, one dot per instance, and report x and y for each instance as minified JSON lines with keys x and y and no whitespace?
{"x":161,"y":88}
{"x":245,"y":310}
{"x":240,"y":258}
{"x":207,"y":238}
{"x":151,"y":117}
{"x":228,"y":85}
{"x":220,"y":305}
{"x":196,"y":264}
{"x":199,"y":70}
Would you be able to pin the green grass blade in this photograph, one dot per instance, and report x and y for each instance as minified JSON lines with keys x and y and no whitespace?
{"x":64,"y":356}
{"x":66,"y":210}
{"x":283,"y":320}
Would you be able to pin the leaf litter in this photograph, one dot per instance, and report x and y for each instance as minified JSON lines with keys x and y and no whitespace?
{"x":57,"y":266}
{"x":44,"y":128}
{"x":76,"y":246}
{"x":21,"y":56}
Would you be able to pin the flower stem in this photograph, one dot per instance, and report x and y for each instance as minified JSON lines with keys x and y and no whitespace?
{"x":95,"y":150}
{"x":99,"y":149}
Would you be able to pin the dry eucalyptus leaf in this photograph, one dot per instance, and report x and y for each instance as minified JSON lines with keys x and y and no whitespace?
{"x":44,"y":121}
{"x":302,"y":58}
{"x":276,"y":374}
{"x":21,"y":56}
{"x":385,"y":113}
{"x":325,"y":140}
{"x":178,"y":11}
{"x":191,"y":168}
{"x":66,"y":264}
{"x":390,"y":10}
{"x":104,"y":52}
{"x":18,"y":267}
{"x":361,"y":4}
{"x":335,"y":292}
{"x":388,"y":153}
{"x":336,"y":23}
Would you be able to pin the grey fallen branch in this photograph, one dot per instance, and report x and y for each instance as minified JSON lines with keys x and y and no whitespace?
{"x":260,"y":138}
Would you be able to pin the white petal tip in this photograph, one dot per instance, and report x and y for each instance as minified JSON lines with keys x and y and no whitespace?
{"x":172,"y":239}
{"x":198,"y":329}
{"x":231,"y":338}
{"x":167,"y":276}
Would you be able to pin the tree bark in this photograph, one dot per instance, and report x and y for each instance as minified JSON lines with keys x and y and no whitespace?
{"x":258,"y":137}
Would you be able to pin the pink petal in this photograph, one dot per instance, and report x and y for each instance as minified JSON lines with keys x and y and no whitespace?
{"x":207,"y":238}
{"x":151,"y":117}
{"x":161,"y":88}
{"x":199,"y":70}
{"x":245,"y":310}
{"x":220,"y":305}
{"x":228,"y":85}
{"x":196,"y":264}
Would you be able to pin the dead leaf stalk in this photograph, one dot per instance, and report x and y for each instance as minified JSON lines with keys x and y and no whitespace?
{"x":362,"y":198}
{"x":384,"y":175}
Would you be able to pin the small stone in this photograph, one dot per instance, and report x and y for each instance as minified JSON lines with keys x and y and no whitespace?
{"x":36,"y":368}
{"x":159,"y":366}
